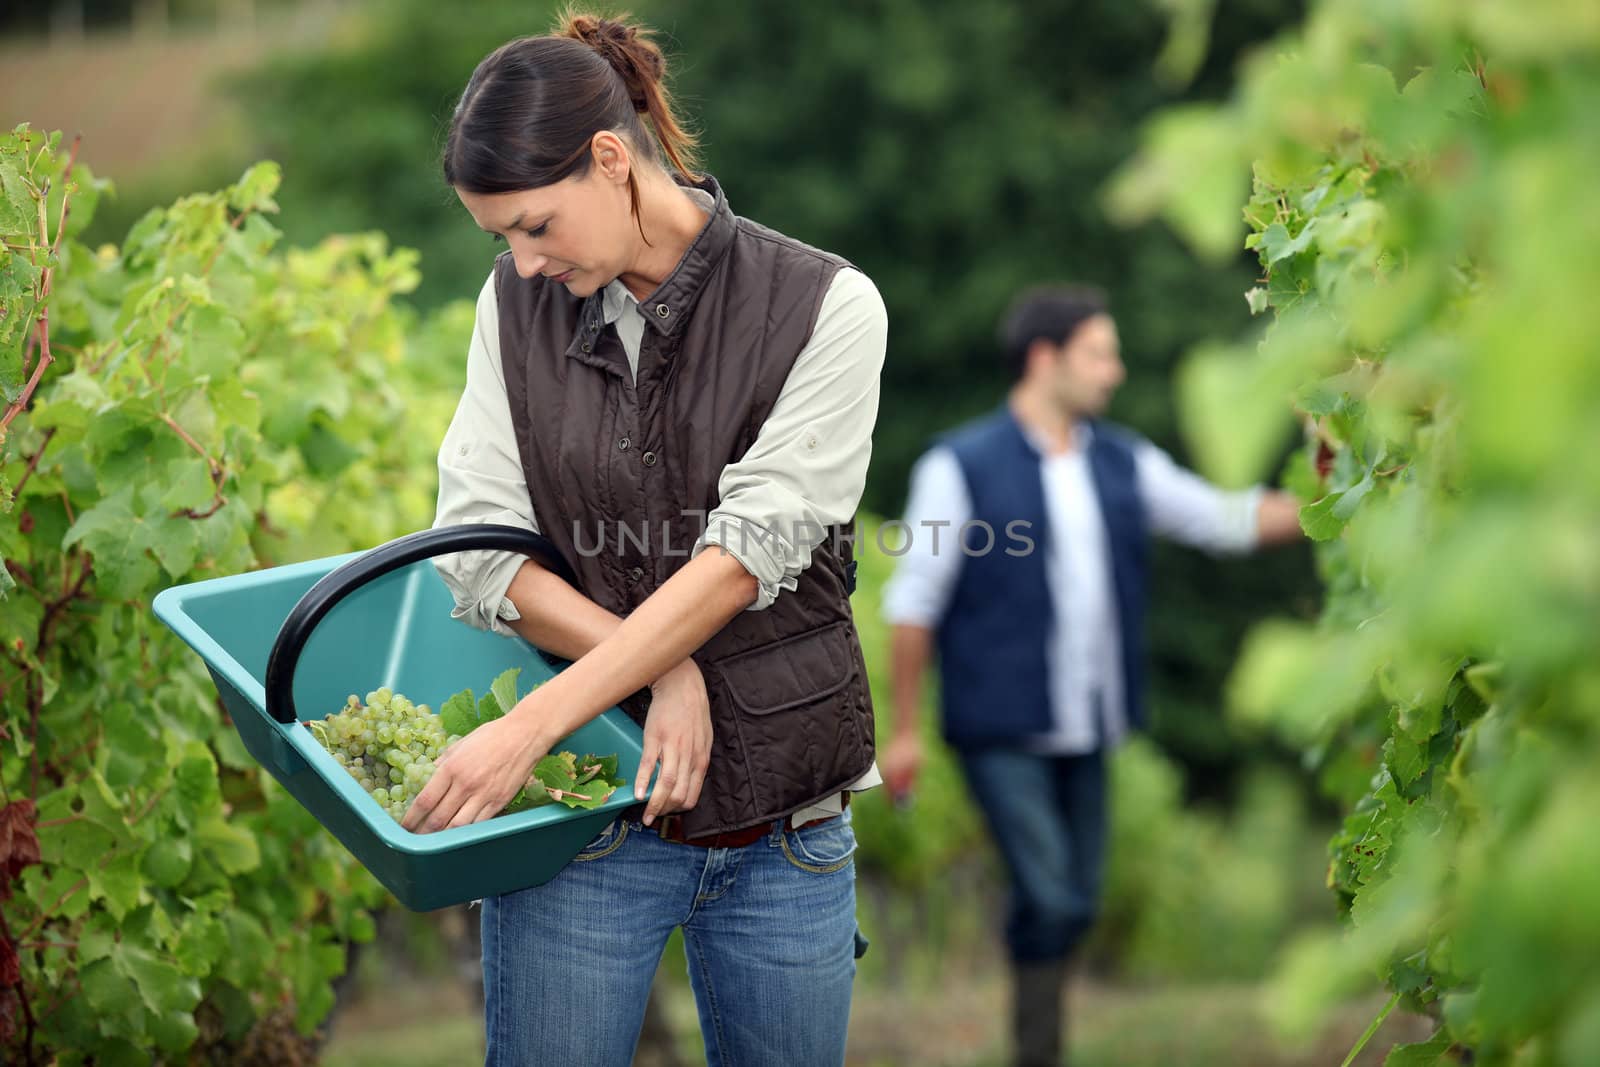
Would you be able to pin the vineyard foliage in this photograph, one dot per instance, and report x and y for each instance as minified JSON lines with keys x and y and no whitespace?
{"x":1422,"y":202}
{"x":196,"y":402}
{"x":214,"y":402}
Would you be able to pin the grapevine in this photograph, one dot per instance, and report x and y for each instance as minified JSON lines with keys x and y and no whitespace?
{"x":1421,"y":205}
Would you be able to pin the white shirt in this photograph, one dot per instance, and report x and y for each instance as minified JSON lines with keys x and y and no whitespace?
{"x":1084,"y":651}
{"x":805,"y":471}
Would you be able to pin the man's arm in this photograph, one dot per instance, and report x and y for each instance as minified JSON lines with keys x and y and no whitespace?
{"x":1190,"y":510}
{"x":910,"y":653}
{"x":915,"y":600}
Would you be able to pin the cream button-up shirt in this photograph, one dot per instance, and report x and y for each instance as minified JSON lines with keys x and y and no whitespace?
{"x":805,"y":471}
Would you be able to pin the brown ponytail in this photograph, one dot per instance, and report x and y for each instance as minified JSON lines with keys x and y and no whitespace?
{"x":633,"y":54}
{"x":532,"y":106}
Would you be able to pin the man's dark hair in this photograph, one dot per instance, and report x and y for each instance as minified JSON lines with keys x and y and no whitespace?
{"x":1050,"y":312}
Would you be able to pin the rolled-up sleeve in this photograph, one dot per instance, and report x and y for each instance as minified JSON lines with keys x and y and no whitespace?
{"x":1190,"y":510}
{"x":481,"y":480}
{"x":808,"y":465}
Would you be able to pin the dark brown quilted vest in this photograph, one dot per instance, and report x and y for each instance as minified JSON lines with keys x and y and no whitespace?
{"x":637,"y":463}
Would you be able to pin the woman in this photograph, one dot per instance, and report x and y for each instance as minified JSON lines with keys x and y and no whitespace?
{"x":651,"y":377}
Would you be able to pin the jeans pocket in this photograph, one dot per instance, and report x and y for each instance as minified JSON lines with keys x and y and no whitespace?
{"x":605,"y":843}
{"x":821,"y":849}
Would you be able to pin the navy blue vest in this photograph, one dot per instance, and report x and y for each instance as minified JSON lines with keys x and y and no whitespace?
{"x":993,"y":637}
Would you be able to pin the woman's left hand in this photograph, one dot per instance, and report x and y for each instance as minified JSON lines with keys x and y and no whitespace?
{"x":475,"y":778}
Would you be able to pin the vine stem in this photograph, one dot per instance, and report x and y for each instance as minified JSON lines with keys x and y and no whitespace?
{"x":33,"y":463}
{"x":47,"y":914}
{"x":190,"y":441}
{"x":27,"y":351}
{"x":1362,"y":1043}
{"x":215,"y":469}
{"x":66,"y":198}
{"x":149,"y":806}
{"x":22,"y":997}
{"x":36,"y":697}
{"x":45,"y":358}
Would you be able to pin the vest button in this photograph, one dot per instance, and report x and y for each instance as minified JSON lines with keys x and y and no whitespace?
{"x":622,"y":445}
{"x":649,"y":459}
{"x":587,"y":347}
{"x":636,"y":574}
{"x":662,"y":311}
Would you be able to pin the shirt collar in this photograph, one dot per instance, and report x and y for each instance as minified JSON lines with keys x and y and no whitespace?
{"x":1082,"y":436}
{"x":614,"y":300}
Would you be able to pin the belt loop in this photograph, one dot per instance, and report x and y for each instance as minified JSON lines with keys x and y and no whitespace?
{"x":778,"y":825}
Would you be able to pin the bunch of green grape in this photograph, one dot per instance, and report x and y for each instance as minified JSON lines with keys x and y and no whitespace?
{"x":388,"y":744}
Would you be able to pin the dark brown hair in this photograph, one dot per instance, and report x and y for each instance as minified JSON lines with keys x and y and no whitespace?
{"x":529,"y":111}
{"x":1049,"y":312}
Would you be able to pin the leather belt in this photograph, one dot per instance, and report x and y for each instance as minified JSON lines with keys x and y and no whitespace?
{"x":670,"y":828}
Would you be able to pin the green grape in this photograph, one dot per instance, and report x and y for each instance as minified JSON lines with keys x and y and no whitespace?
{"x":389,"y":746}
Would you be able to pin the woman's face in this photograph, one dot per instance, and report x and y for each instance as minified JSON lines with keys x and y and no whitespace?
{"x":579,"y":232}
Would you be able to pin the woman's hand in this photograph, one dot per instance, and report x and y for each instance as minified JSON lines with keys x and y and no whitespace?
{"x":677,"y":734}
{"x":475,"y":778}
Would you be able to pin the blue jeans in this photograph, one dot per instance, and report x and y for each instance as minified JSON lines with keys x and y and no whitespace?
{"x":769,"y":931}
{"x":1048,"y":818}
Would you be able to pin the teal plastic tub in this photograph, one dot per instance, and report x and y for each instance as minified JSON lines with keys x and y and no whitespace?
{"x":291,"y":643}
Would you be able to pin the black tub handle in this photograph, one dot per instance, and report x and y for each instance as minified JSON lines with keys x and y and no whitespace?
{"x":344,"y":579}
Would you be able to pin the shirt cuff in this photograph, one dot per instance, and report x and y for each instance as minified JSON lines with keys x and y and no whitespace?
{"x":477,"y":615}
{"x":908,"y":602}
{"x":478,"y":581}
{"x":1248,"y":536}
{"x":761,"y":551}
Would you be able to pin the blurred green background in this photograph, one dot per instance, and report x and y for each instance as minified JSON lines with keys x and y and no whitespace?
{"x":956,"y":152}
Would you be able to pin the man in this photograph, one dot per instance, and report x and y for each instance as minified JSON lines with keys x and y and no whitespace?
{"x":1026,"y":574}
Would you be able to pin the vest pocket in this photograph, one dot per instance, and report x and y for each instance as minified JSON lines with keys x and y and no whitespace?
{"x":790,"y":672}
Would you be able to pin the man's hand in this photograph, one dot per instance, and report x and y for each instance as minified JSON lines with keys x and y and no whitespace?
{"x":902,"y":762}
{"x":1278,"y":519}
{"x":677,"y":734}
{"x":478,"y":775}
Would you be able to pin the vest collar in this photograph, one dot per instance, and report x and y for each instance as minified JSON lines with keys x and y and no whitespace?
{"x":667,"y":309}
